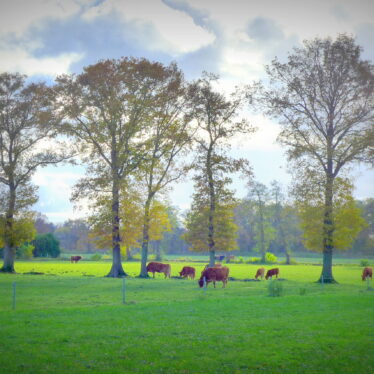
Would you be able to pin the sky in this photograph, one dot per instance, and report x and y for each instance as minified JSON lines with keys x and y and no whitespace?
{"x":234,"y":39}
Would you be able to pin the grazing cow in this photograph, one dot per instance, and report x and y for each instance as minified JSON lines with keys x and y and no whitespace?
{"x":260,"y":273}
{"x":158,"y":267}
{"x":187,"y":272}
{"x":214,"y":275}
{"x":367,"y":273}
{"x":75,"y":258}
{"x":272,"y":272}
{"x":207,"y":267}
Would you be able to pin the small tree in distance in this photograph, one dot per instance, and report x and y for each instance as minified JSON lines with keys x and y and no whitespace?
{"x":46,"y":245}
{"x":264,"y":232}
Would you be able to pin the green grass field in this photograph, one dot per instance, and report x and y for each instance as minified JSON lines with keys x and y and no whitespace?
{"x":72,"y":320}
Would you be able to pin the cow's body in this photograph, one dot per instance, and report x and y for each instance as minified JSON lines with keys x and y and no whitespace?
{"x":270,"y":273}
{"x":75,"y":258}
{"x":208,"y":267}
{"x":220,"y":274}
{"x":367,"y":273}
{"x":260,"y":273}
{"x":158,"y":267}
{"x":187,"y":272}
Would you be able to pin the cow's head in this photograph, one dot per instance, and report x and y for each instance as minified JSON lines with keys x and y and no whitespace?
{"x":201,"y":282}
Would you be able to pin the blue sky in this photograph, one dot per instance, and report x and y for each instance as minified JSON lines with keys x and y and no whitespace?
{"x":235,"y":39}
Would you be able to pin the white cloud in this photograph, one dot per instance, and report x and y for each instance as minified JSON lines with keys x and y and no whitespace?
{"x":264,"y":139}
{"x":21,"y":60}
{"x":16,"y":16}
{"x":177,"y":33}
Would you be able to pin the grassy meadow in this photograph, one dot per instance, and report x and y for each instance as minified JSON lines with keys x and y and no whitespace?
{"x":72,"y":319}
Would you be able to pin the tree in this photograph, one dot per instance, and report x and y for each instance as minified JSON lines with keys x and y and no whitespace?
{"x":347,"y":218}
{"x":170,"y":137}
{"x":46,"y":245}
{"x":245,"y":219}
{"x":109,"y":108}
{"x":73,"y":235}
{"x":159,"y":224}
{"x":216,"y":125}
{"x":27,"y":123}
{"x":131,"y":213}
{"x":365,"y":242}
{"x":42,"y":225}
{"x":23,"y":230}
{"x":132,"y":218}
{"x":197,"y":228}
{"x":172,"y":241}
{"x":281,"y":219}
{"x":324,"y":95}
{"x":264,"y":231}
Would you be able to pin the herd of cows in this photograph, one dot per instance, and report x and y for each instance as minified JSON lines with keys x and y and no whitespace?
{"x":218,"y":273}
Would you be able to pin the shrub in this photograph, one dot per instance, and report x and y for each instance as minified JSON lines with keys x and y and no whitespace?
{"x":240,"y":260}
{"x":25,"y":251}
{"x":364,"y":263}
{"x":253,"y":260}
{"x":270,"y":258}
{"x":46,"y":245}
{"x":96,"y":257}
{"x":275,"y":288}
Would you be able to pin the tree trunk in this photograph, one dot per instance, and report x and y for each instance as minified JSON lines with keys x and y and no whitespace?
{"x":145,"y":243}
{"x":9,"y":256}
{"x":212,"y":208}
{"x":116,"y":271}
{"x":288,"y":257}
{"x":328,"y":231}
{"x":212,"y":258}
{"x":158,"y":250}
{"x":262,"y":232}
{"x":128,"y":254}
{"x":9,"y":248}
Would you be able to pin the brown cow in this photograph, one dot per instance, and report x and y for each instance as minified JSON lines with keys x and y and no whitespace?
{"x":158,"y":267}
{"x":207,"y":267}
{"x":220,"y":274}
{"x":367,"y":273}
{"x":75,"y":258}
{"x":260,"y":273}
{"x":187,"y":272}
{"x":272,"y":272}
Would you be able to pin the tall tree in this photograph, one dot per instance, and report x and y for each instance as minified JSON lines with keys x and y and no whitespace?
{"x":171,"y":136}
{"x":217,"y":124}
{"x":27,"y":124}
{"x":109,"y":109}
{"x":324,"y":96}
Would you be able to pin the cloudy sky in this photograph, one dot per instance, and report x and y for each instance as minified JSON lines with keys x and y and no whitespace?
{"x":235,"y":39}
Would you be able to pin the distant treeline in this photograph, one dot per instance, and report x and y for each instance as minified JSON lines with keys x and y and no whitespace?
{"x":74,"y":235}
